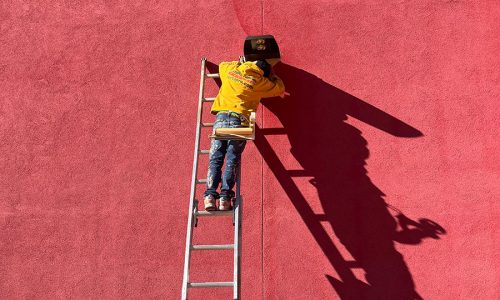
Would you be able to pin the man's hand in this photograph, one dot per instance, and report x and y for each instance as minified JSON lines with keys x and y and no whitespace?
{"x":284,"y":94}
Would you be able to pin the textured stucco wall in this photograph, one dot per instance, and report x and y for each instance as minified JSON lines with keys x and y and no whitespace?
{"x":378,"y":178}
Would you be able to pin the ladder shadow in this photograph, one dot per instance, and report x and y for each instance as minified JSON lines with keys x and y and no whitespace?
{"x":334,"y":154}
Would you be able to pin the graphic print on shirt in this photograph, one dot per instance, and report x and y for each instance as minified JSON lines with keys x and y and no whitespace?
{"x":236,"y":76}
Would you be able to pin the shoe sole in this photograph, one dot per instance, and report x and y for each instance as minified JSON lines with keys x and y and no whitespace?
{"x":225,"y":208}
{"x":210,"y":208}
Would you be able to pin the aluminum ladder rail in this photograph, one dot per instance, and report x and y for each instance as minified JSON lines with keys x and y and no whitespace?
{"x":194,"y":213}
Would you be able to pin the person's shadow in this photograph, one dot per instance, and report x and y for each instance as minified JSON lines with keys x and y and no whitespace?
{"x":333,"y":153}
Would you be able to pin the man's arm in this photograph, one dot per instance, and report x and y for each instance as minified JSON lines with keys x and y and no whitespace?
{"x":272,"y":87}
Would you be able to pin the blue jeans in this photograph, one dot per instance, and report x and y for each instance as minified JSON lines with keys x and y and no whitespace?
{"x":218,"y":150}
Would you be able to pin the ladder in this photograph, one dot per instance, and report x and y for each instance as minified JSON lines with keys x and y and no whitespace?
{"x":194,"y":213}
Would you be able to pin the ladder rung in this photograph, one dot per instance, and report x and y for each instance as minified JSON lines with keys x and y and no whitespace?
{"x":201,"y":181}
{"x":207,"y":124}
{"x":214,"y":213}
{"x":213,"y":247}
{"x":213,"y":75}
{"x":210,"y":284}
{"x":209,"y":99}
{"x":204,"y":151}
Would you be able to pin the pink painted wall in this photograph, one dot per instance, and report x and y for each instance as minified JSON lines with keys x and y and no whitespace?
{"x":377,"y":179}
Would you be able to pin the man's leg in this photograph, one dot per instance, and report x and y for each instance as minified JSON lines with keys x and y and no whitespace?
{"x":216,"y":160}
{"x":234,"y":151}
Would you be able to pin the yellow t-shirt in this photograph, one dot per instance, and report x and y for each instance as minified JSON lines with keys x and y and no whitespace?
{"x":243,"y":86}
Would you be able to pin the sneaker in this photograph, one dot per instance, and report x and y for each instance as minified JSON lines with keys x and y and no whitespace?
{"x":225,"y":204}
{"x":209,"y":203}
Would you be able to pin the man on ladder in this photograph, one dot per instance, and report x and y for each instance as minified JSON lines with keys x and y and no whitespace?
{"x":243,"y":86}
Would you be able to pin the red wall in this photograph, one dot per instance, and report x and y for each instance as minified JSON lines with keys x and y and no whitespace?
{"x":378,"y":181}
